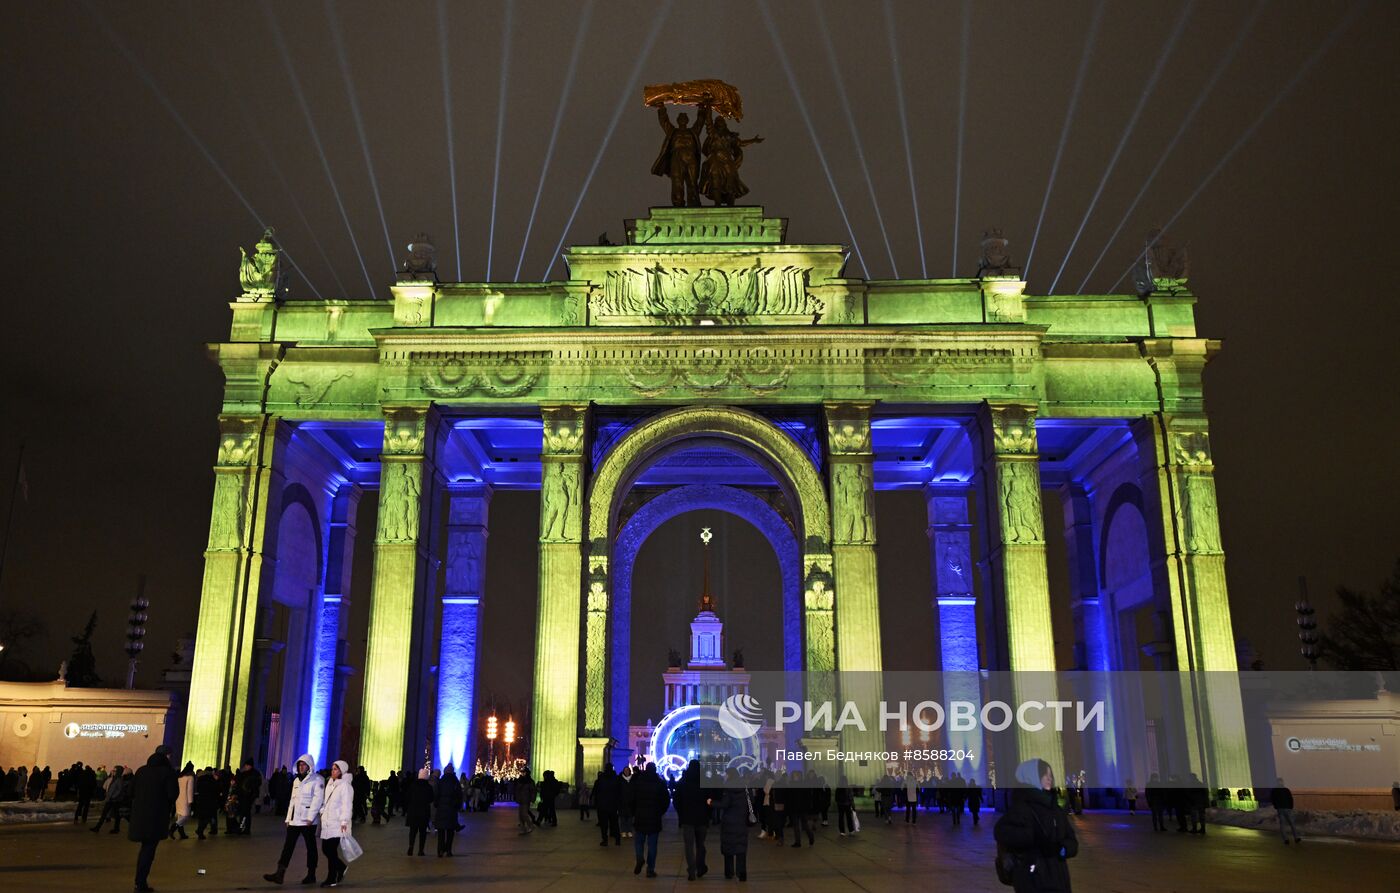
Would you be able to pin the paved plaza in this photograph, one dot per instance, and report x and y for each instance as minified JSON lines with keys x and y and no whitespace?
{"x":1117,"y":853}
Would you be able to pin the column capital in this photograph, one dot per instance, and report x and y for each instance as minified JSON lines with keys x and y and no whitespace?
{"x":1012,"y":428}
{"x":240,"y":437}
{"x":848,"y":428}
{"x":405,"y":429}
{"x":565,"y":429}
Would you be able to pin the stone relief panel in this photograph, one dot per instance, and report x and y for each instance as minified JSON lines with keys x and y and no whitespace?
{"x":228,"y":514}
{"x":1191,"y":449}
{"x":1013,"y":430}
{"x":399,"y":491}
{"x":559,"y":508}
{"x":706,"y":371}
{"x":238,"y":442}
{"x":954,"y":556}
{"x":1202,"y":515}
{"x":487,"y":375}
{"x":1019,"y":487}
{"x":564,"y":429}
{"x":313,"y":386}
{"x":853,"y":505}
{"x":662,"y":291}
{"x":404,"y":431}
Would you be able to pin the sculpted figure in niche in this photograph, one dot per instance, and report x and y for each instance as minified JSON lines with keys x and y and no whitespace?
{"x":401,"y":514}
{"x":953,"y":561}
{"x":560,"y":493}
{"x":1020,"y":504}
{"x":853,"y":493}
{"x":226,"y":529}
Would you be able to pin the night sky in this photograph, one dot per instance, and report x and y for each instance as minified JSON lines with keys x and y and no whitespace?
{"x":122,"y":246}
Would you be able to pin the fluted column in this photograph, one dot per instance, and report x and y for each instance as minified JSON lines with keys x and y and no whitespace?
{"x":955,"y":600}
{"x":857,"y":602}
{"x":467,"y":513}
{"x":395,"y":589}
{"x":242,"y":537}
{"x":329,"y":635}
{"x":1204,"y":633}
{"x":1093,"y":646}
{"x":1010,"y":478}
{"x":554,"y":736}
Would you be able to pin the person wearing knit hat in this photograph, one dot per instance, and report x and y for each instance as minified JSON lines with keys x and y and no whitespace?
{"x":1035,"y":838}
{"x":419,"y":802}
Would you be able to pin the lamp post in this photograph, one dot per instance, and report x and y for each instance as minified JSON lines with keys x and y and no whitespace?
{"x":492,"y":725}
{"x":509,"y":737}
{"x":1307,"y":625}
{"x":136,"y":631}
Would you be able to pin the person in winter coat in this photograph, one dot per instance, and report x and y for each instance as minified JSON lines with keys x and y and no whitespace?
{"x":845,"y":810}
{"x":249,"y":784}
{"x":337,"y":812}
{"x":85,"y":785}
{"x":624,"y":811}
{"x":446,"y":805}
{"x":307,"y":797}
{"x":550,"y":789}
{"x":693,"y":809}
{"x":524,"y":796}
{"x":1156,"y":802}
{"x":420,"y":810}
{"x":1281,"y":799}
{"x":115,"y":802}
{"x":153,"y":793}
{"x":911,"y":798}
{"x":735,"y":807}
{"x":206,"y":802}
{"x":184,"y":803}
{"x":649,"y":800}
{"x":974,"y":800}
{"x":607,"y":790}
{"x":1036,"y":834}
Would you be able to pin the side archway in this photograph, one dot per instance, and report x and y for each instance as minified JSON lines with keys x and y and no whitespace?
{"x":642,"y":525}
{"x":747,"y":434}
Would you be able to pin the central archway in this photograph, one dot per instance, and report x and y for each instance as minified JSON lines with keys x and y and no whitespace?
{"x":736,"y":430}
{"x":643,"y":524}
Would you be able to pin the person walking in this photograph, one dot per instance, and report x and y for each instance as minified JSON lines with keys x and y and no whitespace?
{"x":911,"y":798}
{"x":153,"y":793}
{"x":446,"y":805}
{"x":184,"y":802}
{"x":117,"y":799}
{"x":845,"y":810}
{"x":249,"y":784}
{"x":550,"y":789}
{"x":974,"y":800}
{"x":206,"y":802}
{"x":337,"y":812}
{"x":736,"y":814}
{"x":1035,"y":838}
{"x":607,"y":790}
{"x":693,"y":811}
{"x":1130,"y":793}
{"x":1156,"y":802}
{"x":957,"y":797}
{"x":85,"y":785}
{"x":624,"y":812}
{"x":649,"y":799}
{"x":524,"y":796}
{"x":307,"y":797}
{"x":1197,"y":799}
{"x":419,"y":802}
{"x":797,"y":804}
{"x":1281,"y":799}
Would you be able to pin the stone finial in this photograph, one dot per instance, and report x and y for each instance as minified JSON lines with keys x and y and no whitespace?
{"x":421,"y":262}
{"x":996,"y":255}
{"x":1162,"y":268}
{"x":260,"y":274}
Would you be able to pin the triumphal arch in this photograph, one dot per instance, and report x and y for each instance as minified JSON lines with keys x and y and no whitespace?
{"x":704,"y":362}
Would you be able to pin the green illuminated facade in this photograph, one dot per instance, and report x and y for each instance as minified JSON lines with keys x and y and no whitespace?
{"x":704,"y":333}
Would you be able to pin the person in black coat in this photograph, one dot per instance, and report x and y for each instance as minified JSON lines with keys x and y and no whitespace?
{"x":796,"y":799}
{"x":973,"y":796}
{"x":419,"y":801}
{"x":153,"y":793}
{"x":735,"y":808}
{"x":550,"y":789}
{"x":206,"y":802}
{"x":607,"y":792}
{"x":693,"y":809}
{"x":1156,"y":802}
{"x":249,"y":784}
{"x":1197,"y":799}
{"x":1281,"y":799}
{"x":446,"y":805}
{"x":648,"y":798}
{"x":84,"y":785}
{"x":1036,"y":834}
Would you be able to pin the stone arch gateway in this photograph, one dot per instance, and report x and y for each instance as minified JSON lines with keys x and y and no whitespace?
{"x":704,"y":336}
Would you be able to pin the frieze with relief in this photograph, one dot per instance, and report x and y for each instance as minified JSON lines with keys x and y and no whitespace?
{"x":682,"y":292}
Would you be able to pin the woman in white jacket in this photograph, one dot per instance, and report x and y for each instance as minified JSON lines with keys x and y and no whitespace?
{"x":336,"y":814}
{"x":184,"y":802}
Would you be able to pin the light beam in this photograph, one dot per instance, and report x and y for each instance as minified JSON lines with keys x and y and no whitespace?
{"x":1146,"y":94}
{"x":811,"y":130}
{"x":1327,"y":43}
{"x":622,"y":102}
{"x":315,"y":135}
{"x":1095,"y":21}
{"x":855,"y":133}
{"x":962,"y":122}
{"x":1215,"y":76}
{"x":343,"y":58}
{"x":580,"y":31}
{"x":447,"y":117}
{"x":146,"y":77}
{"x":904,"y":128}
{"x":500,"y":130}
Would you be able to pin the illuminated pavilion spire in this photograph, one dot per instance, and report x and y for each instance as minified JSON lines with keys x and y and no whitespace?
{"x":707,"y":599}
{"x":706,"y":630}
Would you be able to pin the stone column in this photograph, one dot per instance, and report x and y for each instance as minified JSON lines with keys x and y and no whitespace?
{"x":1010,"y":478}
{"x":1204,"y":634}
{"x":242,"y":535}
{"x":857,"y":602}
{"x":467,"y":513}
{"x":1093,"y":643}
{"x":554,"y":737}
{"x":398,"y":581}
{"x":329,"y":634}
{"x":955,"y":600}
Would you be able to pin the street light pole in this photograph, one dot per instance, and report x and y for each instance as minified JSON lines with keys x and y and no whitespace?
{"x":1307,"y":625}
{"x":136,"y":631}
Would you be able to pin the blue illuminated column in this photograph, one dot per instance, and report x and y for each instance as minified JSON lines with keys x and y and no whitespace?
{"x":950,"y":549}
{"x":324,"y":717}
{"x":1091,"y":629}
{"x":468,"y":505}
